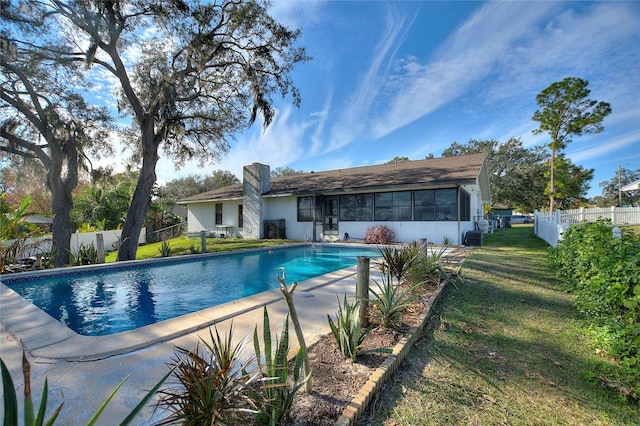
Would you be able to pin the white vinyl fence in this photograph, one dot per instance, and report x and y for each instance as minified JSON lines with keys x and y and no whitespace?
{"x":34,"y":247}
{"x":550,"y":227}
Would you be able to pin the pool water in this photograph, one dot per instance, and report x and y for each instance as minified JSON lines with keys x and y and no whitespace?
{"x":104,"y":301}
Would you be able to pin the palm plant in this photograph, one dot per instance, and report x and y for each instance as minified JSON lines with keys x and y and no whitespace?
{"x":398,"y":262}
{"x":211,"y":387}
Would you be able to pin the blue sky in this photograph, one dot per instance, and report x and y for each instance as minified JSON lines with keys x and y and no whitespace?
{"x":409,"y":78}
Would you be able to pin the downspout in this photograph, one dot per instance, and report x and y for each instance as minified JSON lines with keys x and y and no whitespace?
{"x":458,"y":206}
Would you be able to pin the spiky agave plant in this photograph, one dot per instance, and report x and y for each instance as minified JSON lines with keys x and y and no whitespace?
{"x":275,"y":388}
{"x":347,"y":329}
{"x":391,"y":300}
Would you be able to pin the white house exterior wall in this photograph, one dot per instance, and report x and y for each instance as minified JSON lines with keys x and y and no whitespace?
{"x":287,"y":208}
{"x":202,"y":217}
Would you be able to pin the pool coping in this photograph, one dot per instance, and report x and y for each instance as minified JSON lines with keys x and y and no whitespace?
{"x":43,"y":336}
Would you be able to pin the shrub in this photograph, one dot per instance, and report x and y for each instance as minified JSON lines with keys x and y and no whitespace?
{"x":390,"y":300}
{"x":604,"y":273}
{"x":211,"y":387}
{"x":429,"y":266}
{"x":347,"y":329}
{"x":398,"y":262}
{"x":379,"y":234}
{"x":165,"y":249}
{"x":86,"y":255}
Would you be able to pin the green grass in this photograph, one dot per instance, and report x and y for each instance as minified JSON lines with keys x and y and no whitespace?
{"x":181,"y":246}
{"x":505,"y":346}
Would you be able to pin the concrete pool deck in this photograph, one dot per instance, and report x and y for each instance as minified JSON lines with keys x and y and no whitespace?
{"x":86,"y":369}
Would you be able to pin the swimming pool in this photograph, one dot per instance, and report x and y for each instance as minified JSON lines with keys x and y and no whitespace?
{"x":116,"y":298}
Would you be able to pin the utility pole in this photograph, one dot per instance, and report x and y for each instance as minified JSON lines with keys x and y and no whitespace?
{"x":619,"y":188}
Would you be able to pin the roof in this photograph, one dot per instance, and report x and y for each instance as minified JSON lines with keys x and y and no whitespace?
{"x":633,"y":186}
{"x":434,"y":172}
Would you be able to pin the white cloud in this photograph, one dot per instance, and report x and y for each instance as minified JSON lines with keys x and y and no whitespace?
{"x":357,"y":114}
{"x":605,"y":147}
{"x":468,"y":56}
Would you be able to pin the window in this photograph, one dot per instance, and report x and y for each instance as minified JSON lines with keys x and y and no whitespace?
{"x":424,"y":205}
{"x":240,"y":216}
{"x":356,"y":207}
{"x":446,"y":205}
{"x":465,"y":205}
{"x":440,"y":204}
{"x":393,"y":206}
{"x":305,"y":209}
{"x":218,"y":214}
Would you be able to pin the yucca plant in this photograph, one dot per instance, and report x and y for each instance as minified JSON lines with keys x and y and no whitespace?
{"x":86,"y":255}
{"x":165,"y":249}
{"x":31,"y":419}
{"x":212,"y":387}
{"x":391,"y":299}
{"x":347,"y":329}
{"x":429,"y":267}
{"x":278,"y":394}
{"x":398,"y":262}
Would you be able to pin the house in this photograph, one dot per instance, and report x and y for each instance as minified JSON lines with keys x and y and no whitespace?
{"x":434,"y":199}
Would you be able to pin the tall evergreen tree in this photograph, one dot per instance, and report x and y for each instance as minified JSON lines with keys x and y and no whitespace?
{"x":565,"y":111}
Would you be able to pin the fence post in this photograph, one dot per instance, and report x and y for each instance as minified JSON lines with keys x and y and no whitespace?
{"x":203,"y":240}
{"x":100,"y":247}
{"x":613,"y":215}
{"x":556,"y":218}
{"x":362,"y":289}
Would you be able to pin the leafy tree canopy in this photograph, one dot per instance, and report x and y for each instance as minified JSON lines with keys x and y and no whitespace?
{"x":397,"y":159}
{"x":195,"y":184}
{"x":611,"y":193}
{"x":285,"y":171}
{"x":516,"y":174}
{"x":201,"y":72}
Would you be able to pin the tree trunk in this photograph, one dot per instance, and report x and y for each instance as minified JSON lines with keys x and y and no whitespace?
{"x":61,"y":198}
{"x":61,"y":205}
{"x":141,"y":196}
{"x":552,"y":186}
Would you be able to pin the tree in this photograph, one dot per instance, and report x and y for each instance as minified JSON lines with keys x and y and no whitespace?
{"x":516,"y":173}
{"x":572,"y":183}
{"x":566,"y":112}
{"x":103,"y":204}
{"x":201,"y":72}
{"x":42,"y":117}
{"x":24,"y":177}
{"x":190,"y":185}
{"x":285,"y":171}
{"x":396,"y":160}
{"x":611,"y":193}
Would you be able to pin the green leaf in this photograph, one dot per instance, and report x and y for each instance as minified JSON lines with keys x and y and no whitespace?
{"x":148,"y":396}
{"x":10,"y":399}
{"x":97,"y":414}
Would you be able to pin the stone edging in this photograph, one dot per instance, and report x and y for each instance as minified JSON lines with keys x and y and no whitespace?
{"x":358,"y":404}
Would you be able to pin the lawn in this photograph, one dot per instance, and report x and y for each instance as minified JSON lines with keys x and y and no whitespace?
{"x":505,"y":346}
{"x":182,"y":245}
